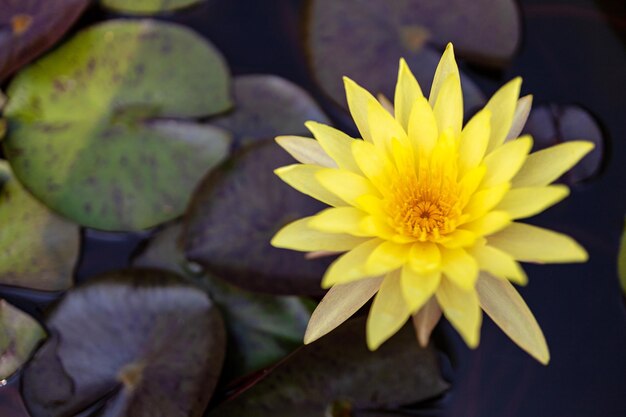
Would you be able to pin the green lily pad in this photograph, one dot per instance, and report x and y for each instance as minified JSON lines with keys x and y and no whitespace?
{"x":134,"y":343}
{"x":365,"y":40}
{"x":87,"y":134}
{"x":268,"y":106}
{"x":147,"y":7}
{"x":38,"y":249}
{"x":339,"y":370}
{"x":235,"y":212}
{"x":19,"y":335}
{"x":553,"y":124}
{"x":30,"y":27}
{"x":261,"y":328}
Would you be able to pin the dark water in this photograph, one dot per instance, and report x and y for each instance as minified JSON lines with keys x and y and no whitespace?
{"x":573,"y":52}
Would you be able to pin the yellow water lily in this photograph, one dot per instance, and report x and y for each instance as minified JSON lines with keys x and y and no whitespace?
{"x":426,"y":210}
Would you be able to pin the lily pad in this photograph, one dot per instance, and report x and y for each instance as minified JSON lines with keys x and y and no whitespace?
{"x":365,"y":40}
{"x":147,"y":7}
{"x":261,"y":328}
{"x":553,"y":124}
{"x":38,"y":249}
{"x":30,"y":27}
{"x":134,"y":343}
{"x":87,"y":134}
{"x":268,"y":106}
{"x":339,"y":371}
{"x":235,"y":212}
{"x":19,"y":335}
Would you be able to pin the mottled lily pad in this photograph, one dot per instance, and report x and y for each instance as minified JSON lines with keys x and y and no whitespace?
{"x":147,"y":7}
{"x":268,"y":106}
{"x":19,"y":335}
{"x":364,"y":39}
{"x":87,"y":134}
{"x":235,"y":212}
{"x":261,"y":328}
{"x":38,"y":249}
{"x":30,"y":27}
{"x":552,"y":124}
{"x":134,"y":343}
{"x":339,"y":370}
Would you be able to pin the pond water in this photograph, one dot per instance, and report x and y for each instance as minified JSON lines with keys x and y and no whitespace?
{"x":573,"y":52}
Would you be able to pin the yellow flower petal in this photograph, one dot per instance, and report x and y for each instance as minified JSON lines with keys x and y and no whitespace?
{"x":388,"y":313}
{"x":485,"y":200}
{"x":534,"y":244}
{"x":350,"y":266}
{"x":339,"y":304}
{"x":340,"y":220}
{"x":498,"y":263}
{"x":458,"y":239}
{"x":504,"y":162}
{"x":306,"y":150}
{"x":474,"y":140}
{"x":459,"y":267}
{"x":447,"y":66}
{"x":448,"y":108}
{"x":424,"y":257}
{"x":425,"y":320}
{"x":489,"y":223}
{"x":336,"y":144}
{"x":423,"y":131}
{"x":383,"y":127}
{"x":509,"y":311}
{"x":299,"y":236}
{"x":461,"y":308}
{"x":528,"y":201}
{"x":303,"y":178}
{"x":543,"y":167}
{"x":520,"y":117}
{"x":502,"y":106}
{"x":374,"y":165}
{"x":358,"y":99}
{"x":418,"y":288}
{"x":407,"y":91}
{"x":386,"y":257}
{"x":346,"y":185}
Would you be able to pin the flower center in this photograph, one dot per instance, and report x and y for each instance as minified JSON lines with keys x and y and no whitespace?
{"x":425,"y":204}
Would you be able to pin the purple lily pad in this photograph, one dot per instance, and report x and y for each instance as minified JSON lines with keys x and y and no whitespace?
{"x":339,"y":372}
{"x":261,"y":328}
{"x":365,"y":39}
{"x":553,"y":124}
{"x":235,"y":212}
{"x":268,"y":106}
{"x":133,"y":343}
{"x":30,"y":27}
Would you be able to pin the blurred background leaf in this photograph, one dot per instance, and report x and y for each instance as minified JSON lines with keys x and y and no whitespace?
{"x":147,"y":7}
{"x":364,"y":40}
{"x":261,"y":328}
{"x":340,"y":368}
{"x":87,"y":134}
{"x":134,"y":343}
{"x":38,"y":249}
{"x":30,"y":27}
{"x":233,"y":215}
{"x":19,"y":335}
